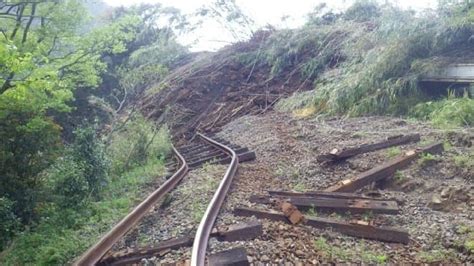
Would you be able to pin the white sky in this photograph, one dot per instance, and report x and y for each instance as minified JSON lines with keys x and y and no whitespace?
{"x":262,"y":11}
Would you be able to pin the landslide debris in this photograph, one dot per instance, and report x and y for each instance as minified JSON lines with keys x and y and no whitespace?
{"x":215,"y":88}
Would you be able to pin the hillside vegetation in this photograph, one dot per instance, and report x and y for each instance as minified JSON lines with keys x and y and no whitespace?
{"x":367,"y":60}
{"x":89,"y":105}
{"x":72,"y":143}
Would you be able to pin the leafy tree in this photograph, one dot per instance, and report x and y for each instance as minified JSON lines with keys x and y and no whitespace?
{"x":9,"y":223}
{"x":43,"y":59}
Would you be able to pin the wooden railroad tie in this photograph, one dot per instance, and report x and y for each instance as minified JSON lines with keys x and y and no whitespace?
{"x":337,"y":154}
{"x":231,"y":257}
{"x":236,"y":232}
{"x":357,"y":229}
{"x":355,"y":206}
{"x":383,"y":171}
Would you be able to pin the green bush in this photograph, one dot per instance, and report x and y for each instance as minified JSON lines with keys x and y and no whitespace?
{"x":9,"y":223}
{"x":447,"y":113}
{"x":29,"y":144}
{"x":89,"y":152}
{"x":362,"y":11}
{"x":69,"y":185}
{"x":138,"y":142}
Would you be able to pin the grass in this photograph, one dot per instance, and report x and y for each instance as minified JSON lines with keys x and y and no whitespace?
{"x":393,"y":152}
{"x":426,"y":159}
{"x":426,"y":142}
{"x":358,"y":253}
{"x":469,"y":245}
{"x":207,"y":184}
{"x":312,"y":212}
{"x":448,"y":113}
{"x":466,"y":234}
{"x":197,"y":210}
{"x":53,"y":242}
{"x":359,"y":70}
{"x":464,"y":160}
{"x":299,"y":187}
{"x":435,"y":255}
{"x":368,"y":216}
{"x":399,"y":177}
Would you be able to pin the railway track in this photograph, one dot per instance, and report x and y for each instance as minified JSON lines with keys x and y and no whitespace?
{"x":201,"y":151}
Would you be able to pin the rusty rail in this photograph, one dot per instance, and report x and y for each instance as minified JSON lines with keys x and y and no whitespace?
{"x":201,"y":239}
{"x":97,"y":251}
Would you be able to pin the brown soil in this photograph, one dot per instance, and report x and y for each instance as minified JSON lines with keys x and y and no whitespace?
{"x":216,"y":88}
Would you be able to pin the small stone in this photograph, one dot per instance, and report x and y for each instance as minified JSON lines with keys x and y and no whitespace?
{"x":299,"y":253}
{"x":445,"y":192}
{"x":264,"y":258}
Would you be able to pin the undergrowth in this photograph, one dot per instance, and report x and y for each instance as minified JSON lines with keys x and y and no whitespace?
{"x":55,"y":241}
{"x":370,"y":62}
{"x":88,"y":193}
{"x":447,"y":113}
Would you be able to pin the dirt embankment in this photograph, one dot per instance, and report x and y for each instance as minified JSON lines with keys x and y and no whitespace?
{"x":216,"y":88}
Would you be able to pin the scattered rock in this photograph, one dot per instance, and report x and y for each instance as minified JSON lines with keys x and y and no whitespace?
{"x":264,"y":258}
{"x":436,"y":203}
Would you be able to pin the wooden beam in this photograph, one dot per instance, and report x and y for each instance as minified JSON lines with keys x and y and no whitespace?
{"x":386,"y":234}
{"x":130,"y":257}
{"x":231,"y":257}
{"x":337,"y":155}
{"x":356,"y":206}
{"x":383,"y":171}
{"x":236,"y":232}
{"x":320,"y":194}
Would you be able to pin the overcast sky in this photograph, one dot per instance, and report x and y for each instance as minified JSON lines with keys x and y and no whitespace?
{"x":262,"y":11}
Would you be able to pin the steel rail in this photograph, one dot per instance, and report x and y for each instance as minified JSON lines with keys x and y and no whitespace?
{"x":201,"y":239}
{"x":97,"y":251}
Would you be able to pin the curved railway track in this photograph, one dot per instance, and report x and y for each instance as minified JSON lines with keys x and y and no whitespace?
{"x":189,"y":157}
{"x":198,"y":256}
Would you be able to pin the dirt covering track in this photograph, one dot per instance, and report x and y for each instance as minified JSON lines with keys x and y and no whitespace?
{"x":216,"y":88}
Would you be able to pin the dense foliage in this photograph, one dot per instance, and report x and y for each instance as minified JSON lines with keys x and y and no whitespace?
{"x":369,"y":59}
{"x":65,"y":81}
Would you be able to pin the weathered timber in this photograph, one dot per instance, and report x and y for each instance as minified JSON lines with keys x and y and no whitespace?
{"x":320,"y":194}
{"x":236,"y":232}
{"x":231,"y":257}
{"x":383,"y":171}
{"x":356,"y":206}
{"x":386,"y":234}
{"x":241,"y":231}
{"x":213,"y":154}
{"x":223,"y":159}
{"x":126,"y":258}
{"x":215,"y":158}
{"x":347,"y":205}
{"x":337,"y":155}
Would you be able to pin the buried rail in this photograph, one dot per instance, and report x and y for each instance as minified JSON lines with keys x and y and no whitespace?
{"x":201,"y":239}
{"x":97,"y":251}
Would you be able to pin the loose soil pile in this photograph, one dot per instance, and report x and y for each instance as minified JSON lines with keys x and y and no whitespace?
{"x":216,"y":88}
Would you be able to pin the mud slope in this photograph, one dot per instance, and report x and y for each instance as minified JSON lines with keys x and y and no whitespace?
{"x":216,"y":88}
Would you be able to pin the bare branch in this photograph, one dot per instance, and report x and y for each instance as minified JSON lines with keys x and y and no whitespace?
{"x":27,"y":28}
{"x":18,"y":21}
